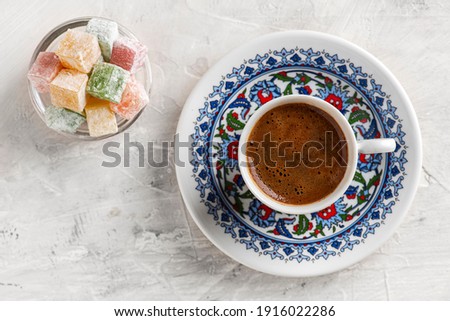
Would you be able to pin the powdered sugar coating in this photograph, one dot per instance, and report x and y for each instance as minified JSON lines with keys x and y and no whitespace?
{"x":134,"y":98}
{"x":107,"y":32}
{"x":78,"y":50}
{"x":62,"y":119}
{"x":107,"y":82}
{"x":100,"y":118}
{"x":68,"y":90}
{"x":128,"y":54}
{"x":44,"y":70}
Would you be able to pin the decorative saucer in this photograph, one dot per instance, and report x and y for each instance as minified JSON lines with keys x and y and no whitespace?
{"x":309,"y":63}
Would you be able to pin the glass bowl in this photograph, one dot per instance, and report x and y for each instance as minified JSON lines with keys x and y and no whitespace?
{"x":42,"y":100}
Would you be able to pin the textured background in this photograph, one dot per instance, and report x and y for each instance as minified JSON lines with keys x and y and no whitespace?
{"x":71,"y":229}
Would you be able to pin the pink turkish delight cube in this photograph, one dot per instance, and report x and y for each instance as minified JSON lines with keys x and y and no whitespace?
{"x":128,"y":54}
{"x":134,"y":98}
{"x":44,"y":70}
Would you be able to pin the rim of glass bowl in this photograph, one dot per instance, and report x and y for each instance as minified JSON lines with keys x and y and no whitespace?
{"x":48,"y":40}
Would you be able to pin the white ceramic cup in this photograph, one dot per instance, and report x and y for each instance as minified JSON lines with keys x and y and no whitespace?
{"x":369,"y":146}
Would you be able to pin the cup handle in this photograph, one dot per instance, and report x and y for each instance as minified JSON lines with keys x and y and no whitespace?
{"x":374,"y":146}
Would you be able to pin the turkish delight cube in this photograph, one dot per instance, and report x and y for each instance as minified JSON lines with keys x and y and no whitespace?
{"x":44,"y":70}
{"x":128,"y":54}
{"x":107,"y":82}
{"x":78,"y":50}
{"x":106,"y":32}
{"x":134,"y":98}
{"x":62,"y":119}
{"x":100,"y":118}
{"x":68,"y":90}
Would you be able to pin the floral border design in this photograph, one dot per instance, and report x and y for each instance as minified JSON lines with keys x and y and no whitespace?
{"x":276,"y":62}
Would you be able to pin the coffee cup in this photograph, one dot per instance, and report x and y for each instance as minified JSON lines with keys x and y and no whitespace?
{"x":354,"y":146}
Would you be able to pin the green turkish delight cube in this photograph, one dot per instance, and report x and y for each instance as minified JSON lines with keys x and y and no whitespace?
{"x":106,"y":31}
{"x":107,"y":82}
{"x":62,"y":119}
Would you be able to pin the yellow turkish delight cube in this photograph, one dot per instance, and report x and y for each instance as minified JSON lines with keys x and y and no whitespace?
{"x":100,"y":118}
{"x":68,"y":90}
{"x":78,"y":50}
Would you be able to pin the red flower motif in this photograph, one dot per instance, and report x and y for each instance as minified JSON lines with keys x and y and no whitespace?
{"x":377,"y":182}
{"x":310,"y":226}
{"x":235,"y":115}
{"x":263,"y":97}
{"x":303,"y":79}
{"x":229,"y":128}
{"x":241,"y":96}
{"x":232,"y":149}
{"x":356,"y":108}
{"x":364,"y":120}
{"x":351,"y":196}
{"x":348,"y":217}
{"x":316,"y":231}
{"x":283,"y":73}
{"x":327,"y":213}
{"x":362,"y":158}
{"x":334,"y":100}
{"x":306,"y":90}
{"x":267,"y":211}
{"x":327,"y":80}
{"x":221,"y":131}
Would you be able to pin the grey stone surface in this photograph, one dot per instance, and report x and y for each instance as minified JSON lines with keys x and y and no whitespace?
{"x":71,"y":229}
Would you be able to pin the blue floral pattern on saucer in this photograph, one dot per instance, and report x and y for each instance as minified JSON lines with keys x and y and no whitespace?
{"x":232,"y":101}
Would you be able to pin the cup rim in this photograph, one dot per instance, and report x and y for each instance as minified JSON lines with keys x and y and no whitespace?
{"x":352,"y":151}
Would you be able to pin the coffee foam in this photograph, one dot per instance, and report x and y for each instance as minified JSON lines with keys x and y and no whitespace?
{"x":293,"y":179}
